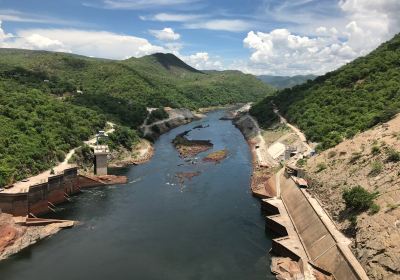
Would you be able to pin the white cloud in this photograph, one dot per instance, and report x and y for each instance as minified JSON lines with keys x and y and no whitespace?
{"x":203,"y":61}
{"x":233,"y":25}
{"x":164,"y":17}
{"x":90,"y":43}
{"x":166,"y":34}
{"x":17,"y":16}
{"x":138,"y":4}
{"x":362,"y":26}
{"x":100,"y":44}
{"x":283,"y":53}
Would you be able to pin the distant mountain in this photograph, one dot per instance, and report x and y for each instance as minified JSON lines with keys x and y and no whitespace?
{"x":341,"y":103}
{"x":170,"y":62}
{"x":281,"y":82}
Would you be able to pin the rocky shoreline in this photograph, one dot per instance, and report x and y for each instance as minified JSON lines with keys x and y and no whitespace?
{"x":15,"y":237}
{"x":141,"y":153}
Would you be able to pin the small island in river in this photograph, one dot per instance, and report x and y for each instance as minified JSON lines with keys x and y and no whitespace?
{"x":190,"y":148}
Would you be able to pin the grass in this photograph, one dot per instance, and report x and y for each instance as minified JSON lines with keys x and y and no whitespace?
{"x":321,"y":166}
{"x":393,"y":155}
{"x":376,"y":168}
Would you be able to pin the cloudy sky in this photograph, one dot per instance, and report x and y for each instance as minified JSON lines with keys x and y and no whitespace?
{"x":278,"y":37}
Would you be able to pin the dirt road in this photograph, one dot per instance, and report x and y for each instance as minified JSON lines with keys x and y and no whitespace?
{"x":20,"y":187}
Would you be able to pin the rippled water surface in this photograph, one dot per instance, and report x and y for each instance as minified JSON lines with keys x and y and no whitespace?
{"x":155,"y":228}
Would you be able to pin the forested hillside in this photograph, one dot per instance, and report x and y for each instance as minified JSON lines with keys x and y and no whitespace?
{"x":51,"y":102}
{"x":122,"y":89}
{"x":281,"y":82}
{"x":37,"y":130}
{"x":343,"y":102}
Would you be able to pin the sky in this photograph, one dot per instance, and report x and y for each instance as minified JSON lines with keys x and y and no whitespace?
{"x":271,"y":37}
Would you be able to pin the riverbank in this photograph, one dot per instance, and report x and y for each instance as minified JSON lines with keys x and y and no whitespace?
{"x":16,"y":234}
{"x":141,"y":153}
{"x":159,"y":217}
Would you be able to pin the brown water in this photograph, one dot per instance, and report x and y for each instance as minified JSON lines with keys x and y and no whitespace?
{"x":154,"y":228}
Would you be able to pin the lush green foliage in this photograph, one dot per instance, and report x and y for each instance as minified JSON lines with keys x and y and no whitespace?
{"x":341,"y":103}
{"x":156,"y":115}
{"x":37,"y":130}
{"x":122,"y":89}
{"x":122,"y":136}
{"x":358,"y":198}
{"x":51,"y":102}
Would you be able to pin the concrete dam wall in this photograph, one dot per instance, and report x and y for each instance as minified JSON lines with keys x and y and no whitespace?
{"x":320,"y":246}
{"x":40,"y":198}
{"x":37,"y":200}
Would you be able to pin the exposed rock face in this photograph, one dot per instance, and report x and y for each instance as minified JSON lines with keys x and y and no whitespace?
{"x":376,"y":237}
{"x":247,"y":126}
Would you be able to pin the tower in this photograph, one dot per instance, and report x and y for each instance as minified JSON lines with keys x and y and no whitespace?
{"x":100,"y":159}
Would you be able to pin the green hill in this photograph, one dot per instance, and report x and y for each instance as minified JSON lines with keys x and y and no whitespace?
{"x":341,"y":103}
{"x":281,"y":82}
{"x":122,"y":89}
{"x":51,"y":102}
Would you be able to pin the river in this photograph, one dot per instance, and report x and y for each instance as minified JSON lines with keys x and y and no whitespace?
{"x":210,"y":227}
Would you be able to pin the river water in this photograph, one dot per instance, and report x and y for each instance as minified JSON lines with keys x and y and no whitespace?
{"x":210,"y":227}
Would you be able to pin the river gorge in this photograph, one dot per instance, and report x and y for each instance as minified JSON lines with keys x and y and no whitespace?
{"x":159,"y":227}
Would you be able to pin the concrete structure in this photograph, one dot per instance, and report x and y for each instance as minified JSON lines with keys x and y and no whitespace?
{"x":304,"y":233}
{"x":100,"y":161}
{"x":42,"y":198}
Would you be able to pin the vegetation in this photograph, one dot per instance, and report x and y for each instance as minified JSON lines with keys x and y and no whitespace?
{"x":281,"y":82}
{"x":83,"y":157}
{"x":375,"y":150}
{"x":123,"y":89}
{"x":321,"y":166}
{"x":376,"y":168}
{"x":37,"y":131}
{"x":359,"y":199}
{"x":156,"y":115}
{"x":341,"y":103}
{"x":51,"y":102}
{"x":393,"y":155}
{"x":122,"y":136}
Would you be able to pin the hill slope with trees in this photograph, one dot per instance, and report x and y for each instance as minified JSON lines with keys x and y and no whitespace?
{"x":344,"y":102}
{"x":123,"y":89}
{"x":281,"y":82}
{"x":52,"y":102}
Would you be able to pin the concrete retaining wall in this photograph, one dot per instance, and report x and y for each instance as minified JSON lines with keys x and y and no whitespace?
{"x":320,"y":246}
{"x":16,"y":204}
{"x":36,"y":200}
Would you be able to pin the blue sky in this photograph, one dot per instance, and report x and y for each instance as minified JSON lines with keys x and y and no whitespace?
{"x":278,"y":37}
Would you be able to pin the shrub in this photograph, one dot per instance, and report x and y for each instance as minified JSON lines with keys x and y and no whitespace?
{"x":156,"y":115}
{"x":374,"y":209}
{"x":321,"y":166}
{"x":393,"y":155}
{"x":301,"y":162}
{"x":122,"y":136}
{"x":376,"y":168}
{"x":355,"y":156}
{"x":358,"y":198}
{"x":375,"y":150}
